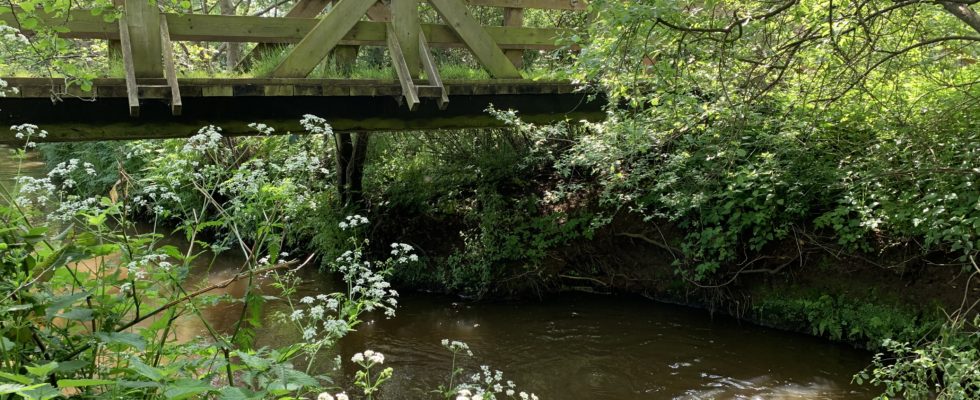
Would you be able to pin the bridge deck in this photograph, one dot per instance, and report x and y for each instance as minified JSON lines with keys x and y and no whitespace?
{"x":233,"y":103}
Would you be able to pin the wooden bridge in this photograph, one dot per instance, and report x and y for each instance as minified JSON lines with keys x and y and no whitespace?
{"x":151,"y":101}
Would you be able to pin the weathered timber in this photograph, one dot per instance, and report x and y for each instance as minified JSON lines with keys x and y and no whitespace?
{"x":514,"y":17}
{"x":405,"y":27}
{"x":301,"y":9}
{"x":168,"y":68}
{"x":327,"y":33}
{"x":455,"y":13}
{"x":225,"y":28}
{"x":143,"y":19}
{"x":409,"y":92}
{"x":129,"y":70}
{"x":572,"y":5}
{"x":432,"y":73}
{"x":233,"y":103}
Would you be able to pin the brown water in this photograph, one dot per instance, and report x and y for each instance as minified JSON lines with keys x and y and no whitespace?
{"x":571,"y":346}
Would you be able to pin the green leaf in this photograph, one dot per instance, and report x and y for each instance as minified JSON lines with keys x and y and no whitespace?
{"x":16,"y":378}
{"x":236,"y":393}
{"x":63,"y":383}
{"x":186,"y":388}
{"x":62,"y":302}
{"x":138,"y":384}
{"x":42,"y":371}
{"x":71,"y":366}
{"x":8,"y":388}
{"x":77,"y":314}
{"x":17,"y":307}
{"x":151,"y":373}
{"x":123,"y":338}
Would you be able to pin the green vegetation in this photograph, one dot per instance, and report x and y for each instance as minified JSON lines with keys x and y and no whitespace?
{"x":748,"y":143}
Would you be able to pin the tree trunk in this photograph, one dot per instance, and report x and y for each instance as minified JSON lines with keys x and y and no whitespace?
{"x":233,"y":51}
{"x":964,"y":13}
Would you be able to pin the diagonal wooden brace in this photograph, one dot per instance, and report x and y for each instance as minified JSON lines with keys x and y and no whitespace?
{"x":476,"y":38}
{"x":315,"y":46}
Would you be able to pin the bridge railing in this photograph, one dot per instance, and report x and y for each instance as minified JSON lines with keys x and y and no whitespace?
{"x":145,"y":33}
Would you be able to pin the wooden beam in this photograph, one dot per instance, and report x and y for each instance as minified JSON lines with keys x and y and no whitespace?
{"x":77,"y":119}
{"x":176,"y":106}
{"x":130,"y":71}
{"x":514,"y":17}
{"x":573,"y":5}
{"x":405,"y":26}
{"x":301,"y":9}
{"x":432,"y":72}
{"x":327,"y":33}
{"x":223,"y":28}
{"x":476,"y":39}
{"x":409,"y":92}
{"x":143,"y":19}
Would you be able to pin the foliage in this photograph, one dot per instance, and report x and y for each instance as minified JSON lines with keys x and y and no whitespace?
{"x":749,"y":123}
{"x":866,"y":320}
{"x":90,"y":309}
{"x":945,"y":368}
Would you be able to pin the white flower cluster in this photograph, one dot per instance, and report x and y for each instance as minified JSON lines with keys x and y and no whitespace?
{"x":32,"y":190}
{"x":353,"y":221}
{"x":27,"y":131}
{"x":318,"y":321}
{"x":207,"y":138}
{"x":63,"y":171}
{"x":12,"y":35}
{"x":73,"y":205}
{"x":300,"y":162}
{"x":262,"y":128}
{"x":368,"y":358}
{"x":488,"y":385}
{"x":365,"y":285}
{"x":247,"y":179}
{"x":456,"y":346}
{"x":328,"y":396}
{"x":138,"y":267}
{"x":57,"y":185}
{"x":403,"y":252}
{"x":315,"y":125}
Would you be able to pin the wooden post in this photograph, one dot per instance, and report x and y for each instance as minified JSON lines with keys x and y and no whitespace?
{"x":143,"y":19}
{"x":409,"y":91}
{"x":344,"y":149}
{"x":405,"y":21}
{"x":345,"y":58}
{"x":514,"y":17}
{"x":432,"y":72}
{"x":355,"y":170}
{"x":176,"y":104}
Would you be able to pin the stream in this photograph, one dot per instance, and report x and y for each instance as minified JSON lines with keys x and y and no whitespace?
{"x":567,"y":346}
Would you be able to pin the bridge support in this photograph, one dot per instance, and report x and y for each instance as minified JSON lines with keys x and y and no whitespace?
{"x":351,"y":153}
